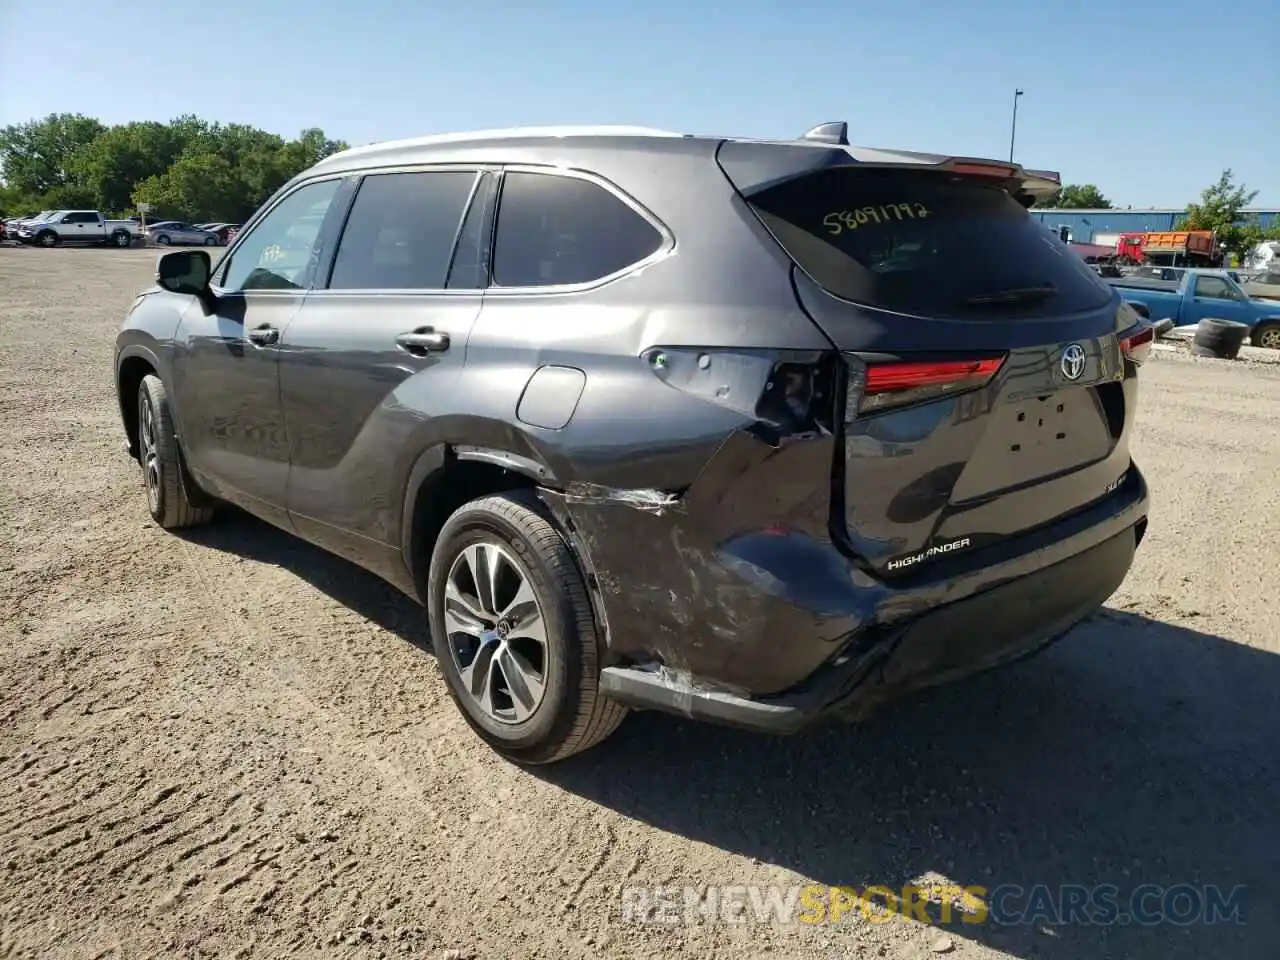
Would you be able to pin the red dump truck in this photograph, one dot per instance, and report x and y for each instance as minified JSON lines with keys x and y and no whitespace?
{"x":1171,"y":248}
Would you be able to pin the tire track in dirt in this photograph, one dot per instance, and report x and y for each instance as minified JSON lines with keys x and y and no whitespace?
{"x":331,"y":802}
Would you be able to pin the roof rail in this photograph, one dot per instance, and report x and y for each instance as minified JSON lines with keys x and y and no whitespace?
{"x":507,"y":133}
{"x":833,"y":131}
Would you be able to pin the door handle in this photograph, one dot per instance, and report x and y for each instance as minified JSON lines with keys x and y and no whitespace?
{"x":423,"y":341}
{"x":264,"y":336}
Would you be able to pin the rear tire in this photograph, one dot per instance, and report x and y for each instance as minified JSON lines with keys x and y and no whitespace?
{"x":210,"y":241}
{"x":121,"y":239}
{"x":553,"y":708}
{"x":164,"y":476}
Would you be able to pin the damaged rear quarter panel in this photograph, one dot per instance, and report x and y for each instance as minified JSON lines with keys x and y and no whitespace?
{"x":734,"y":579}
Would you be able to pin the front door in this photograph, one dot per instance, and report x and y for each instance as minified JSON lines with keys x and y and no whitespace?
{"x":378,"y":339}
{"x":226,"y":377}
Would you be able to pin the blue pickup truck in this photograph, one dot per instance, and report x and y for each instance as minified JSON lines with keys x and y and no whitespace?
{"x":1199,"y":294}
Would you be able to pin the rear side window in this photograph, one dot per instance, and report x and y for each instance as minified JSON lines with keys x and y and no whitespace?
{"x":928,"y":244}
{"x":401,"y":231}
{"x":556,"y":230}
{"x":470,"y":267}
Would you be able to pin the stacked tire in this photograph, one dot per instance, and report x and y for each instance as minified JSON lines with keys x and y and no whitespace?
{"x":1221,"y":339}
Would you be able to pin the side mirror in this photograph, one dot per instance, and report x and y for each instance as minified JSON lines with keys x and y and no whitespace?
{"x":184,"y":271}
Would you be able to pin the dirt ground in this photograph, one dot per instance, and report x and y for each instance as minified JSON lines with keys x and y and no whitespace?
{"x":233,"y":745}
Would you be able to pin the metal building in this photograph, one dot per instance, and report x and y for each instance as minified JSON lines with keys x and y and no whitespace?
{"x":1086,"y":225}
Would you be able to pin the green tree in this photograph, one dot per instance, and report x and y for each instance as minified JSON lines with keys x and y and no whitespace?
{"x":187,"y":167}
{"x":1221,"y":209}
{"x":1075,"y":196}
{"x":194,"y":188}
{"x":124,"y":156}
{"x":39,"y":155}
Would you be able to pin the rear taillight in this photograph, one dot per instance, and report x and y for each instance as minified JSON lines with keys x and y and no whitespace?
{"x":1136,"y":342}
{"x":787,"y":393}
{"x":979,"y":169}
{"x":876,"y":385}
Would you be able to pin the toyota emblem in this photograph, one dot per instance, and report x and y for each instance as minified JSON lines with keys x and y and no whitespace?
{"x":1073,"y":361}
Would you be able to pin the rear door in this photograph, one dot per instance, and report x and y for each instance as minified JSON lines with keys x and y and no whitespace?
{"x":985,"y":391}
{"x":384,"y":332}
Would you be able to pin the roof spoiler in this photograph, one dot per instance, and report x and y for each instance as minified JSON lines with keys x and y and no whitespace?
{"x":1039,"y":185}
{"x":1042,"y":181}
{"x":1033,"y":185}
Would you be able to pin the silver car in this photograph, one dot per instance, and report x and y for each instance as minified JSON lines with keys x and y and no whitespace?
{"x":175,"y":231}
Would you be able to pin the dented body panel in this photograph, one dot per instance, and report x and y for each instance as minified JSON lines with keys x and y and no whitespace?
{"x":738,"y":586}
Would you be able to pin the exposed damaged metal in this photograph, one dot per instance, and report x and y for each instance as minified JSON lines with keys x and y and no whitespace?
{"x":656,"y":502}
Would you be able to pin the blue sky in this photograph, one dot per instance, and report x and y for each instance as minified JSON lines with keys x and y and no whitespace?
{"x":1149,"y":100}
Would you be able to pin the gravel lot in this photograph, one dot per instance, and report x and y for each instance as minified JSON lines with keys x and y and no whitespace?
{"x":231,"y":744}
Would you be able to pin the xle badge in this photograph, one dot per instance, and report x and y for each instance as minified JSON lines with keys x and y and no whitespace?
{"x":931,"y":552}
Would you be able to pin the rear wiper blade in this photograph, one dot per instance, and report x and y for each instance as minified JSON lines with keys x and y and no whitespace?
{"x":1015,"y":295}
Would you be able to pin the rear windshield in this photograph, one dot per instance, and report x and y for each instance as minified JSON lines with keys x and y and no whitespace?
{"x":926,"y":243}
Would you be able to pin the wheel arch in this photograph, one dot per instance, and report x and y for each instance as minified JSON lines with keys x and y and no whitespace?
{"x":1140,"y":308}
{"x":1255,"y":335}
{"x":133,"y":363}
{"x":444,"y":477}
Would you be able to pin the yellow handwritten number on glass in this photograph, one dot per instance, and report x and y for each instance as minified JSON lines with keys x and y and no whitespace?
{"x":838,"y":221}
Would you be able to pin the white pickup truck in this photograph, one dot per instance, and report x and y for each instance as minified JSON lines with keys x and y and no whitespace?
{"x":78,"y":226}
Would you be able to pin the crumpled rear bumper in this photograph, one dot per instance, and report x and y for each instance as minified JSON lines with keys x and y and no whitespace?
{"x":729,"y":602}
{"x":990,"y":629}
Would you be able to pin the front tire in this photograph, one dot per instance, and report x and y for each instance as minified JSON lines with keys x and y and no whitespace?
{"x":514,"y":633}
{"x":210,"y":241}
{"x":48,"y":239}
{"x":163,"y":475}
{"x":163,"y":240}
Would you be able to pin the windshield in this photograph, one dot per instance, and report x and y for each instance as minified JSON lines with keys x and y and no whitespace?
{"x":925,"y":243}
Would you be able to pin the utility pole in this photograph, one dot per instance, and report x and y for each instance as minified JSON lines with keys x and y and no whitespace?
{"x":1013,"y":130}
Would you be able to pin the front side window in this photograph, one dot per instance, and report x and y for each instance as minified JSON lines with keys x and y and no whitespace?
{"x":401,"y":231}
{"x":280,"y":250}
{"x":554,"y":230}
{"x":1214,"y":287}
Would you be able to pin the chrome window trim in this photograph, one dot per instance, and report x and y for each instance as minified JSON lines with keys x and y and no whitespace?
{"x":247,"y":230}
{"x":665,"y":248}
{"x":474,"y":168}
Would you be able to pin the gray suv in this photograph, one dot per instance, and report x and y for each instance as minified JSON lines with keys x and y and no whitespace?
{"x":757,"y":432}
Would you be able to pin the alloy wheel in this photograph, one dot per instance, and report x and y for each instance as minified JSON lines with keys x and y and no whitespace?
{"x":1270,"y":338}
{"x":147,"y":451}
{"x":497,"y":633}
